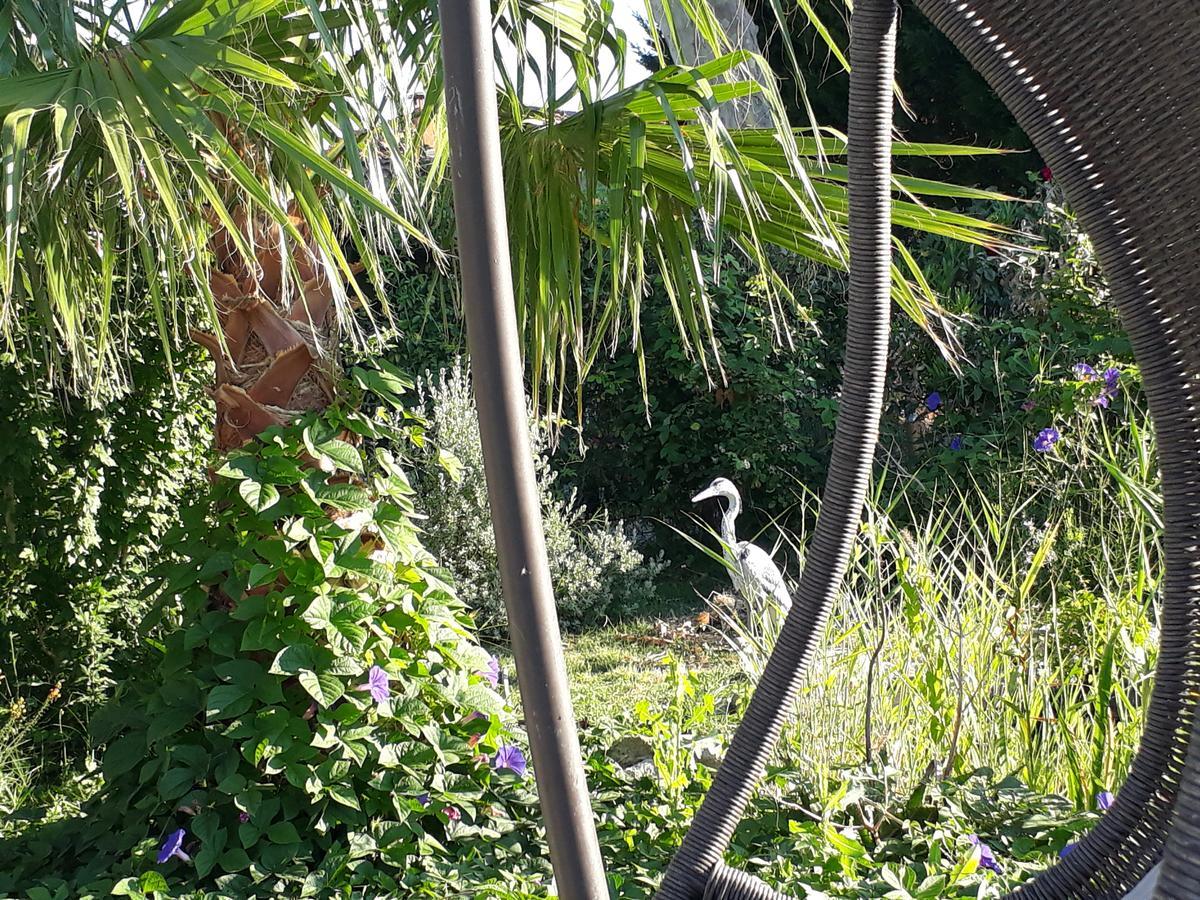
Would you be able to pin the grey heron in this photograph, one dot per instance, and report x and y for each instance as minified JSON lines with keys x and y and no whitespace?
{"x":753,"y":572}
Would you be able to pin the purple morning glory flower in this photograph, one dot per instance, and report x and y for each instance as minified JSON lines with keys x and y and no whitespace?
{"x":933,"y":401}
{"x":423,"y":799}
{"x":492,"y":671}
{"x":986,"y":859}
{"x":1046,"y":438}
{"x":1084,"y":372}
{"x":377,"y":684}
{"x":1105,"y":800}
{"x":452,"y":813}
{"x":173,"y":846}
{"x":1112,"y":387}
{"x":243,"y":817}
{"x":510,"y":757}
{"x":1029,"y":405}
{"x":956,"y":442}
{"x":1062,"y":854}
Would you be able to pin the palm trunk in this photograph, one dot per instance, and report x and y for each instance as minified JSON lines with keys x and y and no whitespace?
{"x":275,"y":358}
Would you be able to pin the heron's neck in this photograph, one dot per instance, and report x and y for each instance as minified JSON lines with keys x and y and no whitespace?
{"x":733,"y":506}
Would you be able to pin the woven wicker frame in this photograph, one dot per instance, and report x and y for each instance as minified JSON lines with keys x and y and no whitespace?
{"x":1110,"y":94}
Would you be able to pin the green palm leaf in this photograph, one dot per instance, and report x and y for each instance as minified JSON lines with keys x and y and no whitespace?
{"x":125,"y":143}
{"x":205,"y":111}
{"x":651,"y":172}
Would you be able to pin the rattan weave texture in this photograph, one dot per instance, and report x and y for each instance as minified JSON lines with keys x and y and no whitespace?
{"x":1110,"y":94}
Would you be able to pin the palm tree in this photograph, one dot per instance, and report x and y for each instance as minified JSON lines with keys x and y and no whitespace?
{"x":213,"y":167}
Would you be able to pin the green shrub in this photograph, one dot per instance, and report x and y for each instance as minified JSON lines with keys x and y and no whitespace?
{"x":89,"y":486}
{"x":1032,"y":315}
{"x":766,"y":426}
{"x":594,"y":566}
{"x":295,"y":587}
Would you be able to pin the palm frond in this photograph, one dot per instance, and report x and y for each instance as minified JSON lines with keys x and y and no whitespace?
{"x":203,"y":115}
{"x":126,"y":143}
{"x":643,"y":180}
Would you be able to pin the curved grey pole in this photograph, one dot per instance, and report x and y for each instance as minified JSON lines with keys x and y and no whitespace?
{"x":503,"y":427}
{"x":697,"y":869}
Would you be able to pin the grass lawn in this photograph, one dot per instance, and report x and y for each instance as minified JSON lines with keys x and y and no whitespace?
{"x":613,"y":667}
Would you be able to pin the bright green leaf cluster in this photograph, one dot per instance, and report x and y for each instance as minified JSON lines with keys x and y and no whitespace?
{"x":299,"y":572}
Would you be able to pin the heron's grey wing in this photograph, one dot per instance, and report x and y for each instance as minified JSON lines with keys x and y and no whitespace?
{"x":760,"y":571}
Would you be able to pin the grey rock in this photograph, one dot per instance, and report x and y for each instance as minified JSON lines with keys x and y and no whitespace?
{"x":639,"y":770}
{"x":708,"y":752}
{"x":630,"y":750}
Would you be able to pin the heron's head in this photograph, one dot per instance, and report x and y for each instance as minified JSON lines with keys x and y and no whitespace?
{"x":719,"y":487}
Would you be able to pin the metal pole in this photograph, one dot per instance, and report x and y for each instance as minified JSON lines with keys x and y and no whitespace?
{"x":503,"y":425}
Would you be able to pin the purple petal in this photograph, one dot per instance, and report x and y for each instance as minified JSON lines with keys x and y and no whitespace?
{"x":378,"y":684}
{"x":1084,"y":372}
{"x":1105,"y":800}
{"x":171,"y":845}
{"x":510,"y":757}
{"x":933,"y":401}
{"x":1046,"y":438}
{"x":986,"y":859}
{"x":492,"y":671}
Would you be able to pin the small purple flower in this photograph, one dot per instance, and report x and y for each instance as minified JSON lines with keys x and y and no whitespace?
{"x":1029,"y":405}
{"x":1084,"y":372}
{"x":1062,"y":854}
{"x":173,"y":846}
{"x":510,"y":757}
{"x":933,"y":401}
{"x":377,"y":684}
{"x":986,"y":859}
{"x":1112,"y":387}
{"x":492,"y":671}
{"x":243,"y":817}
{"x":423,"y":799}
{"x":956,"y":442}
{"x":451,"y":813}
{"x":1046,"y":439}
{"x":1105,"y":800}
{"x":476,"y":715}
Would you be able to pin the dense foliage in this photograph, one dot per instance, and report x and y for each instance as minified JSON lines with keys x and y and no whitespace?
{"x":1000,"y":614}
{"x":1025,"y":319}
{"x":974,"y":834}
{"x":595,"y":568}
{"x":297,"y":703}
{"x":767,"y":425}
{"x":319,"y":714}
{"x":89,"y":487}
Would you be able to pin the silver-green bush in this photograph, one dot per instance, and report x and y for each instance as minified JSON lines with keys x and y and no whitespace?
{"x":595,"y":567}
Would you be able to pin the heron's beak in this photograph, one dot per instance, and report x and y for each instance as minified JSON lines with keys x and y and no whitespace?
{"x":704,"y":495}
